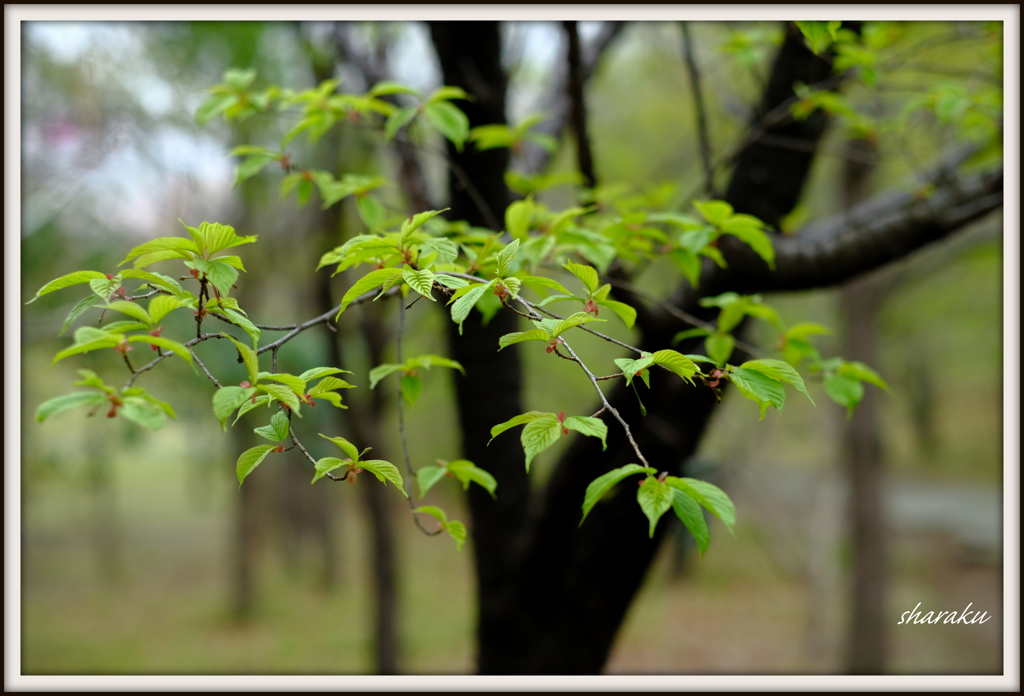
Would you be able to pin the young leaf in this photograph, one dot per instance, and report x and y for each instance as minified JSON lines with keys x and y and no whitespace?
{"x":62,"y":403}
{"x":449,"y":121}
{"x":655,"y":498}
{"x":417,"y":221}
{"x":162,"y":305}
{"x":517,"y":218}
{"x":178,"y":349}
{"x":381,"y":371}
{"x":587,"y":425}
{"x":371,"y":280}
{"x":217,"y":237}
{"x":520,"y":336}
{"x":677,"y":362}
{"x":67,"y":281}
{"x":626,"y":313}
{"x":748,"y":229}
{"x":571,"y":321}
{"x":758,"y":386}
{"x":397,"y":120}
{"x":845,"y":392}
{"x":427,"y":476}
{"x":602,"y":484}
{"x":719,"y":347}
{"x":715,"y":212}
{"x":314,"y":373}
{"x":182,"y":248}
{"x":249,"y":357}
{"x":277,"y":431}
{"x":585,"y":273}
{"x":631,"y":367}
{"x":143,"y":412}
{"x":466,"y":471}
{"x":78,"y":310}
{"x":420,"y":281}
{"x":227,"y":399}
{"x":385,"y":471}
{"x":250,"y":459}
{"x":220,"y":275}
{"x":88,"y":338}
{"x":861,"y":372}
{"x":411,"y":387}
{"x":456,"y":530}
{"x":688,"y":510}
{"x":505,"y":257}
{"x":465,"y":303}
{"x":710,"y":496}
{"x":778,"y":370}
{"x":538,"y":435}
{"x":517,"y":420}
{"x":326,"y":465}
{"x":346,"y":446}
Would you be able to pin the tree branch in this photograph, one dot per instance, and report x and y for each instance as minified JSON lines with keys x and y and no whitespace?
{"x":578,"y":106}
{"x":698,"y":105}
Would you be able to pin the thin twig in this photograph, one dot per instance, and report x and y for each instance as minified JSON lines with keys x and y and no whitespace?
{"x":208,"y":373}
{"x":698,"y":105}
{"x":163,"y":356}
{"x":302,"y":449}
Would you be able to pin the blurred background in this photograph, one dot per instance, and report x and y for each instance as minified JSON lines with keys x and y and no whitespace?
{"x":142,"y":556}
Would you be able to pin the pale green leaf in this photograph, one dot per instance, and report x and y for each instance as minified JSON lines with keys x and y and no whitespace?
{"x":427,"y":476}
{"x":585,"y":273}
{"x":710,"y":496}
{"x":677,"y":362}
{"x":655,"y":498}
{"x":600,"y":486}
{"x":250,"y":459}
{"x":370,"y":281}
{"x":520,"y":336}
{"x":420,"y":281}
{"x":538,"y":435}
{"x":62,"y":403}
{"x":385,"y":471}
{"x":67,"y":281}
{"x":346,"y":446}
{"x":688,"y":510}
{"x":517,"y":420}
{"x":587,"y":425}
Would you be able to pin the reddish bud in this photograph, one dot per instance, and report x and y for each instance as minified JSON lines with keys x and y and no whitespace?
{"x":245,"y":384}
{"x":550,"y":348}
{"x":591,"y":307}
{"x":112,"y":412}
{"x":561,"y":416}
{"x":662,"y":476}
{"x":565,"y":431}
{"x":351,"y":478}
{"x":194,"y":272}
{"x":110,"y":277}
{"x":713,"y":383}
{"x":640,"y":482}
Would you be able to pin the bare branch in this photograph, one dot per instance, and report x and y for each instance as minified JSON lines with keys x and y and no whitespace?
{"x":698,"y":105}
{"x":578,"y":106}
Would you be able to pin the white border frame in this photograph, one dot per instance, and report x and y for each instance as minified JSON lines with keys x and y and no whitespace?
{"x":15,"y":14}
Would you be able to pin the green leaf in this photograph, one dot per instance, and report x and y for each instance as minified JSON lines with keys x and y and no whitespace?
{"x":371,"y":280}
{"x":143,"y":412}
{"x":464,"y":304}
{"x":517,"y":218}
{"x":227,"y":399}
{"x":571,"y":321}
{"x":517,"y":420}
{"x":538,"y":435}
{"x":626,"y":313}
{"x":506,"y":256}
{"x":520,"y":336}
{"x":250,"y":404}
{"x":710,"y":496}
{"x":466,"y":472}
{"x":715,"y":212}
{"x":845,"y":392}
{"x":63,"y":403}
{"x":748,"y":229}
{"x":677,"y":362}
{"x":240,"y":321}
{"x":689,"y":333}
{"x":249,"y":357}
{"x":250,"y":459}
{"x":388,"y":87}
{"x":585,"y":273}
{"x":178,"y":349}
{"x":602,"y":484}
{"x":326,"y":465}
{"x":346,"y":446}
{"x":67,"y":281}
{"x":411,"y":387}
{"x":183,"y":248}
{"x":221,"y":275}
{"x":329,"y":384}
{"x":449,"y":121}
{"x":446,"y":92}
{"x":655,"y":498}
{"x":631,"y":367}
{"x":214,"y":106}
{"x":283,"y":394}
{"x":253,"y":165}
{"x":688,"y":263}
{"x":587,"y":425}
{"x":688,"y":510}
{"x":78,"y":310}
{"x":861,"y":372}
{"x":758,"y":386}
{"x":88,"y":339}
{"x":778,"y":370}
{"x":417,"y":221}
{"x":91,"y":379}
{"x":420,"y":281}
{"x":817,"y":34}
{"x":719,"y":347}
{"x":278,"y":429}
{"x":534,"y":282}
{"x":385,"y":471}
{"x":104,"y":288}
{"x":371,"y":211}
{"x":456,"y":530}
{"x":314,"y":373}
{"x":427,"y":476}
{"x":397,"y":121}
{"x":162,"y":305}
{"x":381,"y":371}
